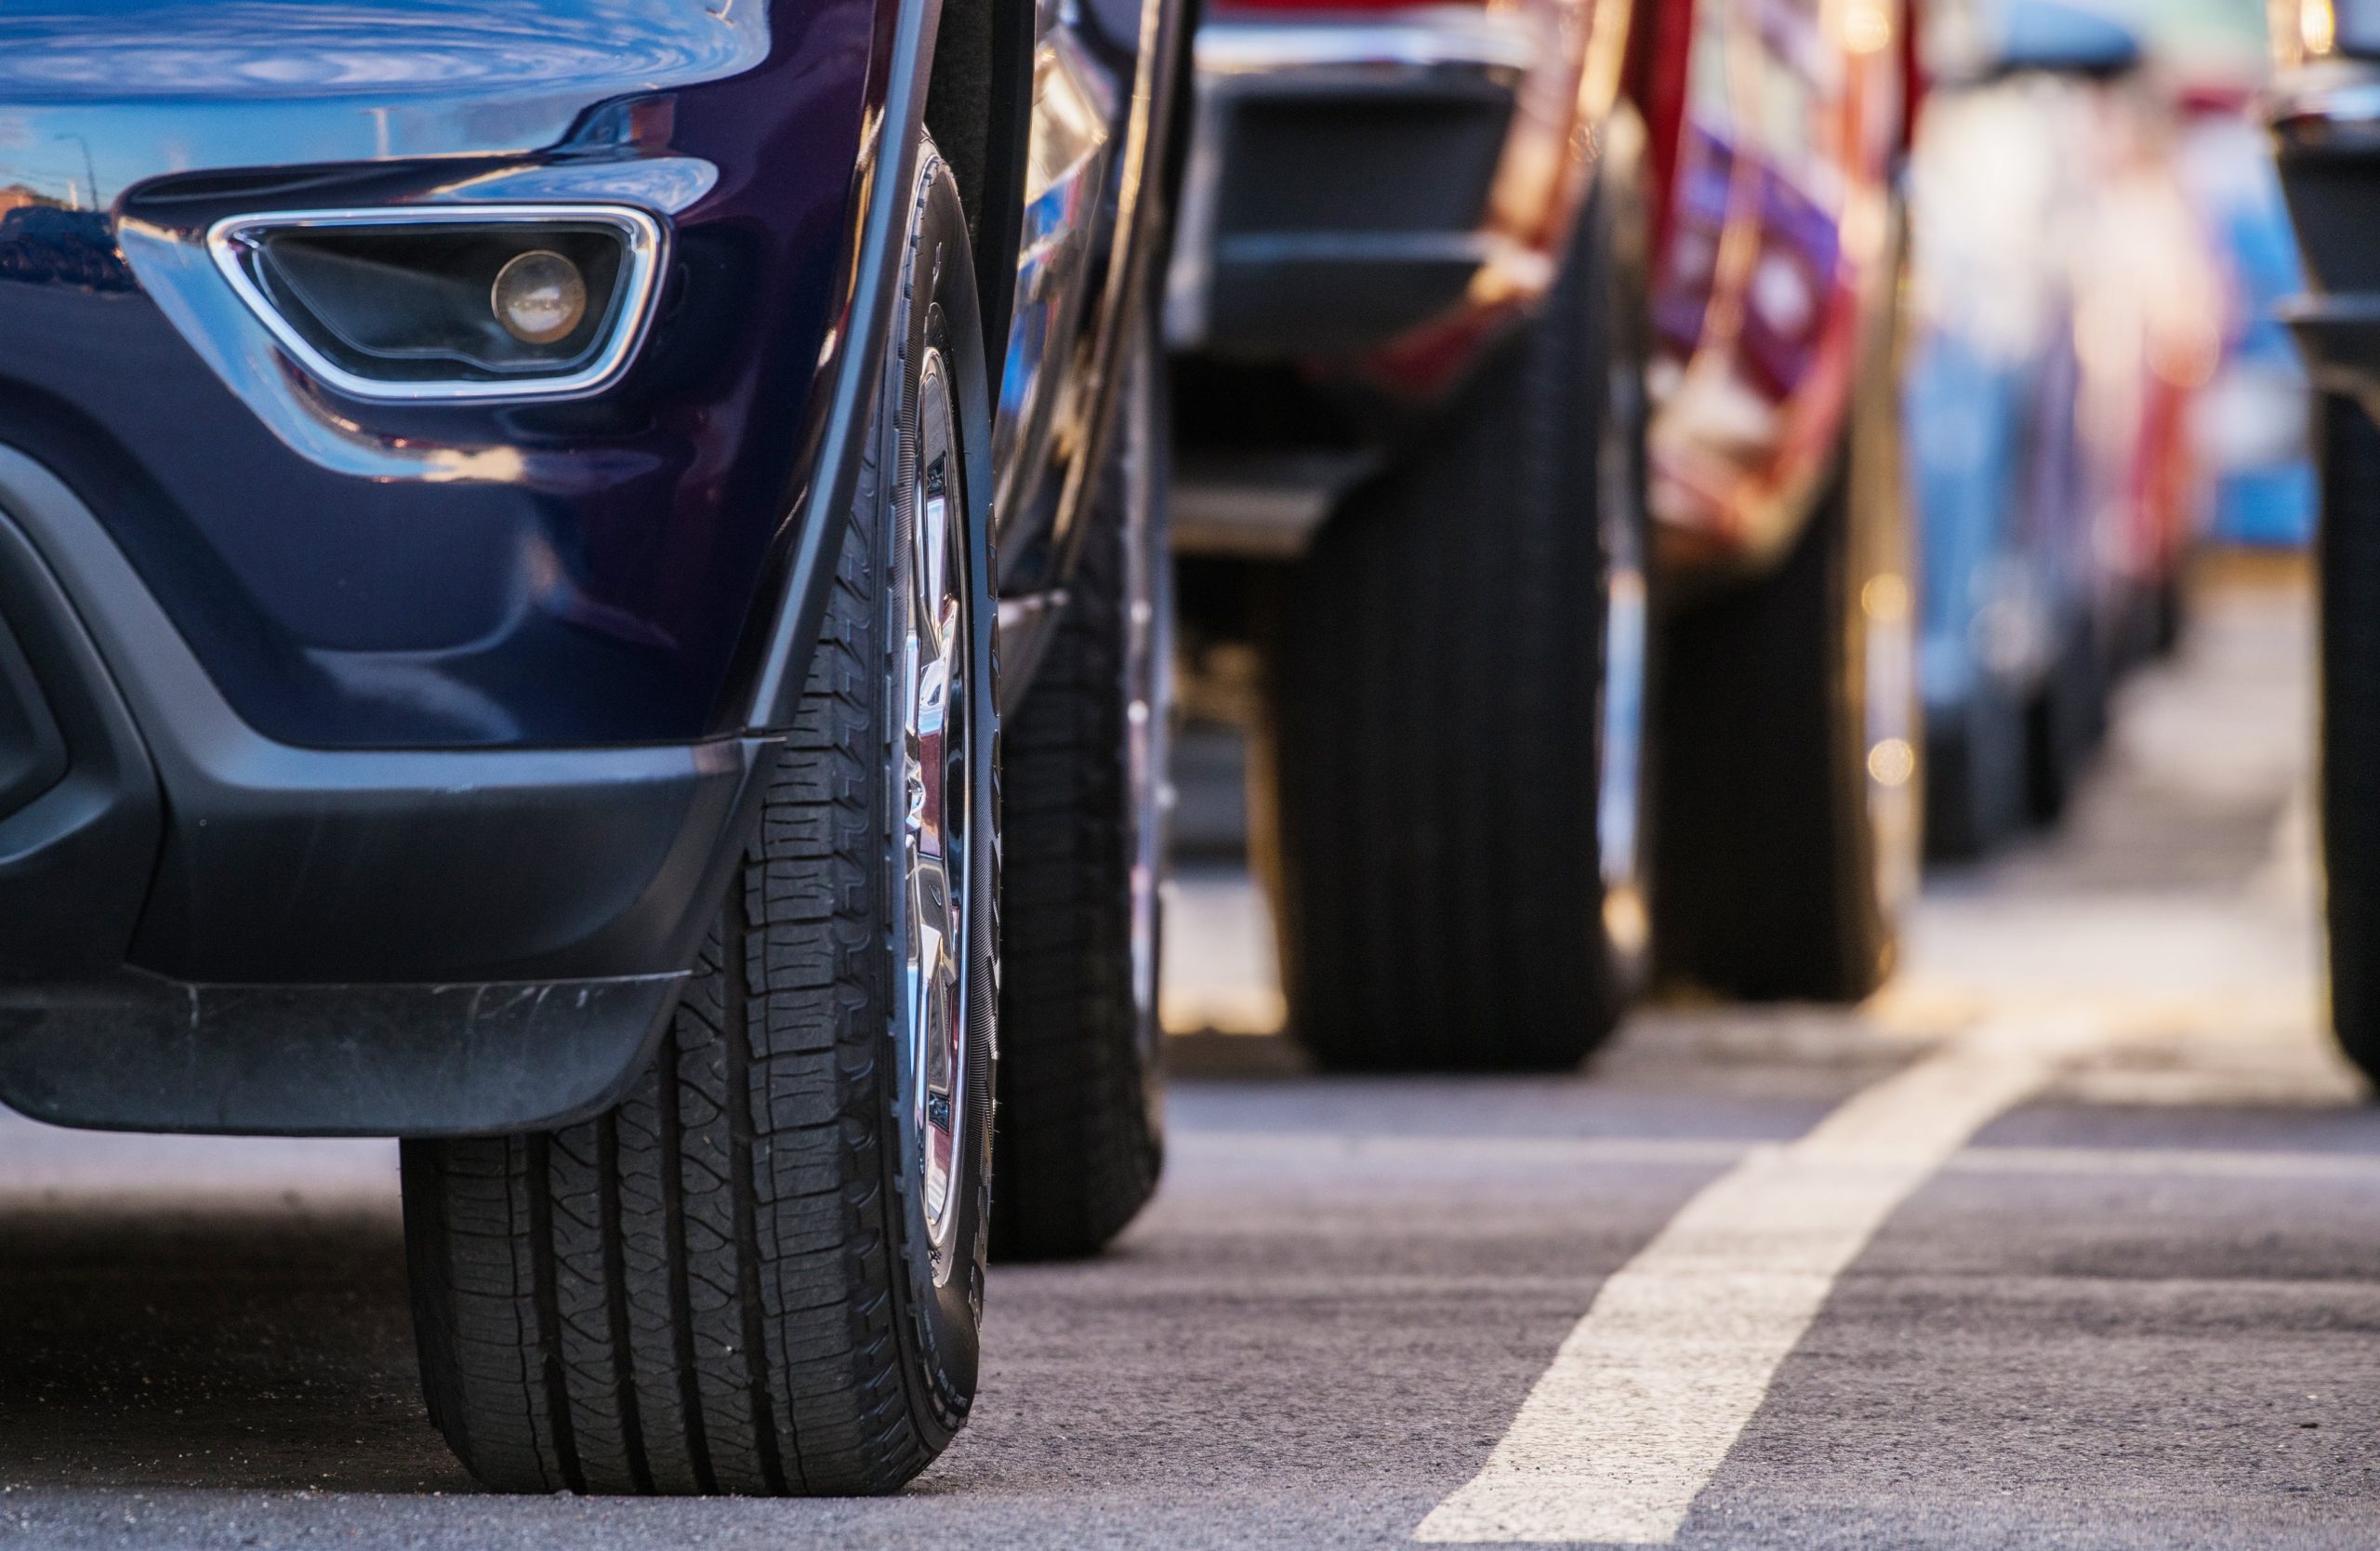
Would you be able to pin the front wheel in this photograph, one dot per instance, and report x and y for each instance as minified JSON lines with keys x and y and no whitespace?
{"x":762,"y":1271}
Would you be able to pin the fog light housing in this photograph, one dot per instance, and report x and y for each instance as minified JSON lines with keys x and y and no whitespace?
{"x":450,"y":302}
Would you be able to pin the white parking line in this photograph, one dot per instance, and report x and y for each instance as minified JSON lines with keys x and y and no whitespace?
{"x":2363,"y":1169}
{"x":1654,"y":1385}
{"x":1420,"y":1154}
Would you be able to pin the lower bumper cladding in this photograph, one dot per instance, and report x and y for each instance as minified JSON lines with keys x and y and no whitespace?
{"x":142,"y":1052}
{"x":205,"y":930}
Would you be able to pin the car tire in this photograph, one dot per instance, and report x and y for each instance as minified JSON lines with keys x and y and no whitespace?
{"x":2349,"y":554}
{"x":1079,"y":1139}
{"x":1792,"y":784}
{"x":2169,"y":611}
{"x":1461,"y":649}
{"x":2066,"y":722}
{"x":762,"y":1271}
{"x":1977,"y":792}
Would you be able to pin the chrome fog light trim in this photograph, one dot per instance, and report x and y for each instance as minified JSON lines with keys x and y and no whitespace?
{"x":237,"y":245}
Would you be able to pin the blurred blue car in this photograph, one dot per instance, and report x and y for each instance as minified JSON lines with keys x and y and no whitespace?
{"x":1990,"y":398}
{"x":2253,"y":420}
{"x":2061,"y":298}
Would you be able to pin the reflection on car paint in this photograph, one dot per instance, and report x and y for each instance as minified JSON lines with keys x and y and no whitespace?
{"x":1068,"y":161}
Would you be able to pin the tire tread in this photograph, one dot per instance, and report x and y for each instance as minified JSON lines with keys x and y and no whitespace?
{"x":1078,"y":1150}
{"x":1437,"y":697}
{"x":701,"y":1291}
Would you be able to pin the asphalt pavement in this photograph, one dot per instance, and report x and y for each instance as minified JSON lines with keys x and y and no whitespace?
{"x":2071,"y":1238}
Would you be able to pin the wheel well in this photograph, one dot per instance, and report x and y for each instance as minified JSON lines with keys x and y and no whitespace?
{"x":979,"y":108}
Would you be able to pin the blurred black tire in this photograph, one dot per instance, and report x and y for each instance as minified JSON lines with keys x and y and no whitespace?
{"x":2169,"y":613}
{"x":1080,"y":1137}
{"x":1976,"y":776}
{"x":1788,"y":818}
{"x":2065,"y":723}
{"x":1437,"y":681}
{"x":2349,"y":554}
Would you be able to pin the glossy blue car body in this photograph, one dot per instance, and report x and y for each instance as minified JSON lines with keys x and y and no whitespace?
{"x":372,"y":765}
{"x":461,"y":577}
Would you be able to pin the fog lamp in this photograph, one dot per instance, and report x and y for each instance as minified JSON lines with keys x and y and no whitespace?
{"x":539,"y":296}
{"x":489,"y":301}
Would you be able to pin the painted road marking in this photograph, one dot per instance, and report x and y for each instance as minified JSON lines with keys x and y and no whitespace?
{"x":1428,"y":1157}
{"x":1654,"y":1385}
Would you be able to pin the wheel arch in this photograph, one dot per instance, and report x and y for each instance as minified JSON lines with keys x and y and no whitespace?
{"x":886,"y":179}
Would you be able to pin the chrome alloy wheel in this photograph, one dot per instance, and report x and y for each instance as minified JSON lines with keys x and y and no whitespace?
{"x":936,"y":770}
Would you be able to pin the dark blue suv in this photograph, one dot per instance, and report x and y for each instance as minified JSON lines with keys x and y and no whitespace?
{"x":521,"y":525}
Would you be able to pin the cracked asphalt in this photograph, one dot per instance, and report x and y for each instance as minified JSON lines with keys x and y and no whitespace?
{"x":2140,"y":1307}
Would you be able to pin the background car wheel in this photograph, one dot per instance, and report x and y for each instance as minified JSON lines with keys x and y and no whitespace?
{"x":1790,"y":803}
{"x":1457,"y":693}
{"x":1080,"y":1133}
{"x":1976,"y":795}
{"x":762,"y":1272}
{"x":2066,"y":723}
{"x":2349,"y":555}
{"x":2169,"y":613}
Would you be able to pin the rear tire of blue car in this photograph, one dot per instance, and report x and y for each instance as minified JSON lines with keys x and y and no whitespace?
{"x":762,"y":1272}
{"x":2066,"y":722}
{"x":2348,"y":550}
{"x":1976,"y":776}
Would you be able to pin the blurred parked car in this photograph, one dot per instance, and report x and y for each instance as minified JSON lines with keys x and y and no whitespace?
{"x":2149,"y":313}
{"x":2067,"y":315}
{"x":1475,"y":308}
{"x":1785,"y":814}
{"x":2253,"y":427}
{"x":2326,"y":117}
{"x":497,"y":631}
{"x":1990,"y":396}
{"x":1406,"y":235}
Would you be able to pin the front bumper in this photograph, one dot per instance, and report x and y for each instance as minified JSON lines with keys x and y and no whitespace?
{"x":1337,"y":192}
{"x":203,"y":929}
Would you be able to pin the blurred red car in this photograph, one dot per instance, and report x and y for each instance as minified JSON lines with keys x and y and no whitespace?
{"x":1474,"y":309}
